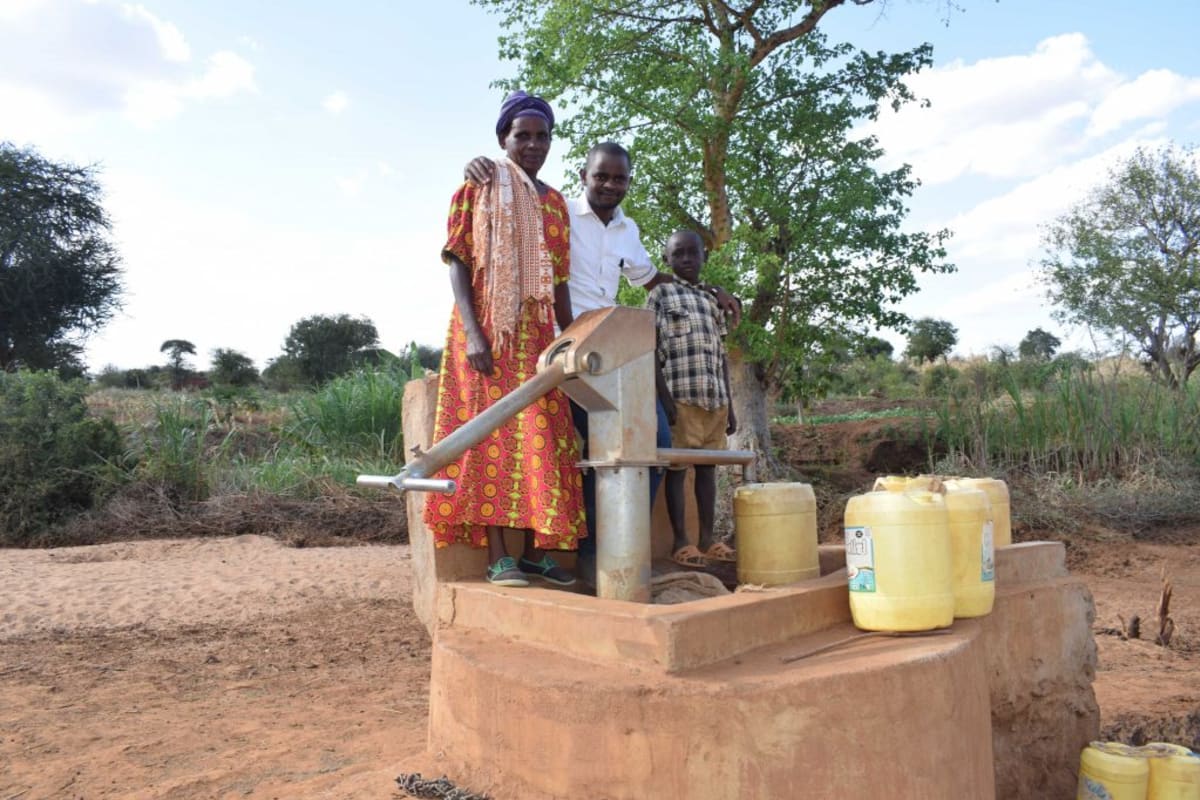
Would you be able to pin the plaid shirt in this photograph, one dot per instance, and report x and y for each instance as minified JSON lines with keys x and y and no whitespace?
{"x":690,"y":326}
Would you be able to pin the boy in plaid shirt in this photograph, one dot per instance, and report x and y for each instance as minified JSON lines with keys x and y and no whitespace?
{"x":693,"y":385}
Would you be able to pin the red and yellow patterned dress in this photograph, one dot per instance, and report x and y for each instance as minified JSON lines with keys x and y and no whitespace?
{"x":524,"y":474}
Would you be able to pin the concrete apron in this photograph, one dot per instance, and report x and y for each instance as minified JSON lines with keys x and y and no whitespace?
{"x":543,"y":694}
{"x":538,"y":694}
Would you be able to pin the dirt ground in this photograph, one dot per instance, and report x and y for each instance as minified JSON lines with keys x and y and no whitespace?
{"x":314,"y":685}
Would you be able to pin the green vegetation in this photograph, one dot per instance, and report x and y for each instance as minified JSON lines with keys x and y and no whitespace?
{"x":163,"y":457}
{"x":930,"y":339}
{"x":1079,"y":424}
{"x":55,"y":460}
{"x":322,"y":347}
{"x":1080,"y":443}
{"x":60,"y":275}
{"x":745,"y":127}
{"x":854,"y":416}
{"x":1126,"y":260}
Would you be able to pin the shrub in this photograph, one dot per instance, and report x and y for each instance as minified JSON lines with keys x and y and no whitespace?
{"x":356,"y":415}
{"x":939,"y":380}
{"x":174,"y":451}
{"x":283,"y":375}
{"x":231,"y":368}
{"x":55,"y":460}
{"x":876,"y":376}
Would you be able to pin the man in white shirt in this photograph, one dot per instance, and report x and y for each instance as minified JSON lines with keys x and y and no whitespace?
{"x":606,"y":244}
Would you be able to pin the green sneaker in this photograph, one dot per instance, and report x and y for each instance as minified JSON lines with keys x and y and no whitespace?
{"x":505,"y":573}
{"x":548,"y":570}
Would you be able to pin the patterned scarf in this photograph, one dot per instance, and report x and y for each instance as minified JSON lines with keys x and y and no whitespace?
{"x":509,"y":244}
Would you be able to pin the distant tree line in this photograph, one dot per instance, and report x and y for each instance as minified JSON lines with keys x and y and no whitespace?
{"x":1125,"y":262}
{"x":317,"y":349}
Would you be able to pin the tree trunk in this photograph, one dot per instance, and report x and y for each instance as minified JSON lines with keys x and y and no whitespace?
{"x":752,"y":405}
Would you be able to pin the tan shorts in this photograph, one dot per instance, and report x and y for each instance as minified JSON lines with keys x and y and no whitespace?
{"x":700,"y":429}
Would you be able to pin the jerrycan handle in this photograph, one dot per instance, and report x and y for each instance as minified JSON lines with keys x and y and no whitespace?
{"x":925,"y":497}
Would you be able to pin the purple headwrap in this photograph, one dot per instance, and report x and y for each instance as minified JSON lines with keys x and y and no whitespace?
{"x":520,"y":104}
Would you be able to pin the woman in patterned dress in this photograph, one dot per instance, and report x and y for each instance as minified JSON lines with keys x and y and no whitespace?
{"x":508,"y":247}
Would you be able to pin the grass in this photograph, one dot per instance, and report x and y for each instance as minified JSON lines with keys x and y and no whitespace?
{"x":1102,"y":447}
{"x":854,"y":416}
{"x":298,"y":444}
{"x":1084,"y":425}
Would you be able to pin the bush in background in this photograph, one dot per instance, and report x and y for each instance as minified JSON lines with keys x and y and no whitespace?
{"x":356,"y":415}
{"x":55,"y":460}
{"x":232,"y":368}
{"x":180,"y":449}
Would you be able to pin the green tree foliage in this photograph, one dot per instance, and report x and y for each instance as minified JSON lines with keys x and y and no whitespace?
{"x":55,"y":460}
{"x":177,"y":351}
{"x":282,"y":374}
{"x":323,"y":347}
{"x":873,"y":347}
{"x":930,"y":339}
{"x":1038,"y":345}
{"x":424,"y":355}
{"x":939,"y":380}
{"x":741,"y":122}
{"x":231,"y":368}
{"x":1126,"y":260}
{"x":59,"y":273}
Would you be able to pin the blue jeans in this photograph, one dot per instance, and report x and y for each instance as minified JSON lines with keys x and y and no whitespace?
{"x":587,"y":547}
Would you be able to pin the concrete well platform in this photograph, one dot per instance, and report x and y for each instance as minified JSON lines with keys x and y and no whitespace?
{"x":538,"y":694}
{"x":541,"y":694}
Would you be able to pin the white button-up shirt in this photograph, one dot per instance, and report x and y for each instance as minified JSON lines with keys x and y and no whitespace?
{"x":600,"y":254}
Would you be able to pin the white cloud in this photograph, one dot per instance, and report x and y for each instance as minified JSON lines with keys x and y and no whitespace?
{"x":73,"y":61}
{"x":1019,"y":116}
{"x":174,"y":47}
{"x":13,"y":9}
{"x":226,"y":74}
{"x":32,"y":117}
{"x":1152,"y":94}
{"x":336,"y":103}
{"x":150,"y":102}
{"x":352,"y":186}
{"x":1006,"y":227}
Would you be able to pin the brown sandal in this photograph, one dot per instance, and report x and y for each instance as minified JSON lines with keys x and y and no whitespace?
{"x":689,"y":556}
{"x":719,"y":551}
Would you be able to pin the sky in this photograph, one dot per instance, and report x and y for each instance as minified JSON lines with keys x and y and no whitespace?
{"x":266,"y":162}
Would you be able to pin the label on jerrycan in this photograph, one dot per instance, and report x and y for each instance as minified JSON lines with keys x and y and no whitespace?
{"x":860,"y":559}
{"x":988,"y":556}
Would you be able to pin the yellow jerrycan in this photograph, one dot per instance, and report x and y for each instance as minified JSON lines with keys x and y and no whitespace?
{"x":1112,"y":771}
{"x":907,"y":483}
{"x":776,"y":529}
{"x":899,"y":561}
{"x":1174,"y":772}
{"x":970,"y":517}
{"x":997,"y":492}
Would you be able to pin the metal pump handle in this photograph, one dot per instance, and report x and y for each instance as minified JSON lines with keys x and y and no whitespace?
{"x":403,"y":483}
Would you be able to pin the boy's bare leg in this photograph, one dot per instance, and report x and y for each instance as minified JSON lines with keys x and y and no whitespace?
{"x":706,"y":502}
{"x":675,"y":507}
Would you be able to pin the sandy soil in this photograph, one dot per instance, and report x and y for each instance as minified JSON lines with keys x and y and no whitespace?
{"x":213,"y":668}
{"x":237,"y":667}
